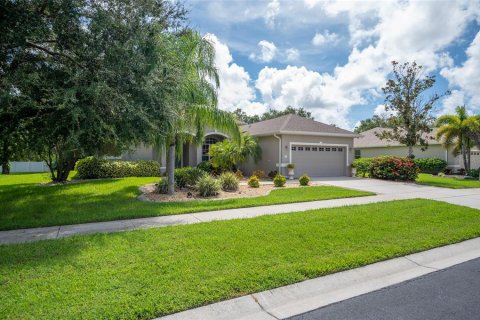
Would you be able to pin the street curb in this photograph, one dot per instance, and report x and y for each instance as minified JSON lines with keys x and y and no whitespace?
{"x":298,"y":298}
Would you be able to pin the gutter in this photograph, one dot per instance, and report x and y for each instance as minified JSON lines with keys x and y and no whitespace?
{"x":279,"y":153}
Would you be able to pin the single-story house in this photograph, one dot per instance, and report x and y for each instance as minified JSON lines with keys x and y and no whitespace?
{"x":369,"y":145}
{"x":315,"y":148}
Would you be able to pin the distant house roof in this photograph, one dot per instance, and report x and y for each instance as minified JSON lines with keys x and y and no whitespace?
{"x":293,"y":124}
{"x":368,"y":139}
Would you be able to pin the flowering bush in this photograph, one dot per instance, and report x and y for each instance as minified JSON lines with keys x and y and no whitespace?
{"x":393,"y":168}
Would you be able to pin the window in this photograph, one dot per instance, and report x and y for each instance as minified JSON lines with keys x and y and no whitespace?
{"x":307,"y":148}
{"x":300,"y":148}
{"x":294,"y":148}
{"x":334,"y":149}
{"x":206,"y":147}
{"x":321,"y":149}
{"x":358,"y":154}
{"x":314,"y":148}
{"x":340,"y":149}
{"x":327,"y":149}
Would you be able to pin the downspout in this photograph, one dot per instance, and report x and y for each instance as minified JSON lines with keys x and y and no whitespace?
{"x":279,"y":153}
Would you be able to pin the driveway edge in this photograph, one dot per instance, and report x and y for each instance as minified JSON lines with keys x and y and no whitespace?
{"x":287,"y":301}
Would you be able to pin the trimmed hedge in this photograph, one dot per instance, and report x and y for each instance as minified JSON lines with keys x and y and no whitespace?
{"x":254,"y":182}
{"x":393,"y":168}
{"x":188,"y":176}
{"x":430,"y":165}
{"x":94,"y":168}
{"x":362,"y":166}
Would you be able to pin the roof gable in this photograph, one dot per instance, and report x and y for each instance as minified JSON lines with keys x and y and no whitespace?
{"x":293,"y":124}
{"x":369,"y":139}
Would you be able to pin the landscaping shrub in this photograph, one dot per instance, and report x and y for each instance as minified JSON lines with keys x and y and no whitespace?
{"x":279,"y":180}
{"x":94,"y":168}
{"x":272,"y":174}
{"x":229,"y":181}
{"x":430,"y":165}
{"x":188,"y":176}
{"x":304,"y":180}
{"x":393,"y":168}
{"x":362,"y":166}
{"x":254,"y":182}
{"x":208,"y":186}
{"x":205,"y":166}
{"x":162,"y":186}
{"x":239,"y":174}
{"x":260,"y":174}
{"x":473,"y":173}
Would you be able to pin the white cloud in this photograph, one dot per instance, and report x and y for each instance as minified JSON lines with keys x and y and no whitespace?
{"x":457,"y":98}
{"x":467,"y":76}
{"x":235,"y":90}
{"x":273,"y":9}
{"x":268,"y":51}
{"x":300,"y":87}
{"x":380,"y":111}
{"x":321,"y":39}
{"x":292,"y":54}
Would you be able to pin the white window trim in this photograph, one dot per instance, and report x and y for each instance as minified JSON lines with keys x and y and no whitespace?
{"x":347,"y":162}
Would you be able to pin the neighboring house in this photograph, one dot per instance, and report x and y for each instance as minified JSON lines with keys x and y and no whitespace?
{"x":369,"y":145}
{"x":317,"y":149}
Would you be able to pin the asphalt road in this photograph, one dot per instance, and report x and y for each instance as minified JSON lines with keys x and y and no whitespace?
{"x":452,"y":293}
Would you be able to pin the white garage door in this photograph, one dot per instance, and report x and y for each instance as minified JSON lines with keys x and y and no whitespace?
{"x":324,"y":161}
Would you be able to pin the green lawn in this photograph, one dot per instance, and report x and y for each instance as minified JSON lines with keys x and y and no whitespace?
{"x":148,"y":273}
{"x":26,"y":204}
{"x":446,"y":182}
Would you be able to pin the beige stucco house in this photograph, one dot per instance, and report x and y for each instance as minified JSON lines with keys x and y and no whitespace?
{"x":315,"y":148}
{"x":369,"y":145}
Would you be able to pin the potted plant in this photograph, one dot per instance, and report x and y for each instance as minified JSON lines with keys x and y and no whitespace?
{"x":291,"y":172}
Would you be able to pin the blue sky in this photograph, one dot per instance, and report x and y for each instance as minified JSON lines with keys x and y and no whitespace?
{"x":333,"y":57}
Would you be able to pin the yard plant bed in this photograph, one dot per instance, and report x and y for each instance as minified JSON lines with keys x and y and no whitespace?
{"x":447,"y":182}
{"x":148,"y":273}
{"x":186,"y":194}
{"x":26,"y":204}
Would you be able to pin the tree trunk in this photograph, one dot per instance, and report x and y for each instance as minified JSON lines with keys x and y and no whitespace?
{"x":5,"y":167}
{"x":171,"y":168}
{"x":410,"y":152}
{"x":5,"y":161}
{"x":464,"y":156}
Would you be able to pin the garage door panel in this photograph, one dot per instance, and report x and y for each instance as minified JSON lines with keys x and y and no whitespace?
{"x":325,"y":161}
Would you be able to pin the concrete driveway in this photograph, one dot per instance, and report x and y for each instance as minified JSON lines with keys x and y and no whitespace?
{"x":403,"y":190}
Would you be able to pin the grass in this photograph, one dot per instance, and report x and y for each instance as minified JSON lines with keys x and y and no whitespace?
{"x":446,"y":182}
{"x":148,"y":273}
{"x":26,"y":204}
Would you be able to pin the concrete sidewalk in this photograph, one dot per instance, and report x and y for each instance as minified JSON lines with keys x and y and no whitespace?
{"x":386,"y":191}
{"x":285,"y":302}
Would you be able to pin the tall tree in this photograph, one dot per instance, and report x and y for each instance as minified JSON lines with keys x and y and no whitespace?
{"x":381,"y":121}
{"x":192,"y":97}
{"x":271,"y":113}
{"x":405,"y":96}
{"x":458,"y":130}
{"x":82,"y":70}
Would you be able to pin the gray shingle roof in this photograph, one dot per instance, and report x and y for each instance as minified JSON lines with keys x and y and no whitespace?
{"x":292,"y":124}
{"x":370,"y":140}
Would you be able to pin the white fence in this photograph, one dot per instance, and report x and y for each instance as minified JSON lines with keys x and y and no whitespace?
{"x":27,"y":166}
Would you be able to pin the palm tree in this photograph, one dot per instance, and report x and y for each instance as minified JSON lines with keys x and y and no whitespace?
{"x":226,"y":154}
{"x":456,"y":130}
{"x":193,"y":98}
